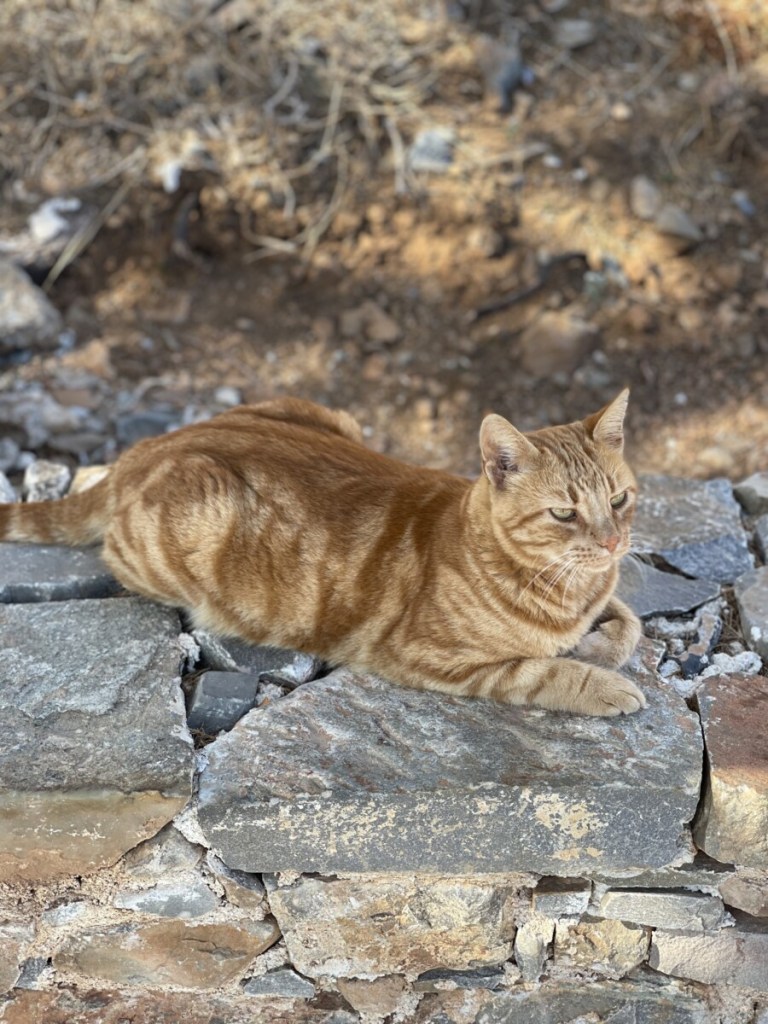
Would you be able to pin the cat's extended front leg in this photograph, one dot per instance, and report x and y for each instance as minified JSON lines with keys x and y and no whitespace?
{"x":613,"y":642}
{"x":560,"y":684}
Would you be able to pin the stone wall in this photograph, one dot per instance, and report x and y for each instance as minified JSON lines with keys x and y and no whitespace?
{"x":346,"y":850}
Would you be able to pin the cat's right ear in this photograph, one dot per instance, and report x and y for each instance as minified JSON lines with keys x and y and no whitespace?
{"x":504,"y":449}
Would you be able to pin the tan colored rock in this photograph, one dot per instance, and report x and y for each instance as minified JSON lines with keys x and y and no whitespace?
{"x":379,"y":997}
{"x":609,"y":948}
{"x":173,"y":952}
{"x":532,"y":945}
{"x":732,"y":824}
{"x":732,"y":956}
{"x":14,"y":936}
{"x":106,"y":1006}
{"x":558,"y":341}
{"x":747,"y":891}
{"x":366,"y":926}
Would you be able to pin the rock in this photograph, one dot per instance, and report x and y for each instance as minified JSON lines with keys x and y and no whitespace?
{"x":94,"y":1004}
{"x":49,"y":229}
{"x":644,"y":198}
{"x":439,"y":979}
{"x":284,"y":983}
{"x":27,"y":318}
{"x":242,"y":889}
{"x":42,"y":572}
{"x":135,"y":426}
{"x":220,"y":699}
{"x":609,"y":948}
{"x":380,"y":997}
{"x":98,"y":756}
{"x":9,"y":453}
{"x":702,"y":874}
{"x":166,"y":853}
{"x":184,"y":896}
{"x":502,"y":67}
{"x":694,"y":525}
{"x":752,"y":493}
{"x":751,"y":593}
{"x":532,"y":945}
{"x":227,"y":396}
{"x":673,"y":220}
{"x":35,"y":416}
{"x":745,"y":663}
{"x":648,"y":591}
{"x":598,"y":1002}
{"x":683,"y":911}
{"x":733,"y":956}
{"x":366,"y":926}
{"x":7,"y":493}
{"x":698,"y":654}
{"x":227,"y":655}
{"x":45,"y":481}
{"x":761,"y":536}
{"x":574,"y":33}
{"x":432,"y":150}
{"x":561,"y":897}
{"x":194,"y":956}
{"x":732,"y":822}
{"x":748,"y":891}
{"x":15,"y":936}
{"x":350,"y":773}
{"x":557,"y":341}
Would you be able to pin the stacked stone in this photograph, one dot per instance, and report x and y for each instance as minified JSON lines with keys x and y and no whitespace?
{"x":338,"y":849}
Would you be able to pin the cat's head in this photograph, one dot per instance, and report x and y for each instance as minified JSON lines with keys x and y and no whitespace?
{"x":561,"y":495}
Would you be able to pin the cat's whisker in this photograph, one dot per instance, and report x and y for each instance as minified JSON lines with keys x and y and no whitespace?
{"x":541,"y":572}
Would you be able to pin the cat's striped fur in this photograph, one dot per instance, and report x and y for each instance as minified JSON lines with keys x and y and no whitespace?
{"x":274,"y":523}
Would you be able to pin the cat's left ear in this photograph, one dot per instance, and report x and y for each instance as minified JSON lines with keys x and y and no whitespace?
{"x":607,"y":426}
{"x":504,"y":449}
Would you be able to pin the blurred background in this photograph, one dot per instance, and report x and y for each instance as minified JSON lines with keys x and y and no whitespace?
{"x":417,"y":211}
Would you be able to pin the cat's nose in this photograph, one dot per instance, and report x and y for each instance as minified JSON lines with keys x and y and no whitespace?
{"x":611,"y":542}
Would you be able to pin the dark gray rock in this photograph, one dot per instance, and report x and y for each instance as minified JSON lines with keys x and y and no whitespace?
{"x":225,"y":654}
{"x":350,"y":773}
{"x":751,"y":592}
{"x":761,"y":536}
{"x":27,"y":318}
{"x":135,"y":426}
{"x":699,"y":653}
{"x":9,"y":453}
{"x":648,"y":591}
{"x":284,"y":983}
{"x":753,"y":493}
{"x":483,"y":977}
{"x":184,"y":896}
{"x":97,"y":756}
{"x":609,"y":1002}
{"x":44,"y":572}
{"x":220,"y":699}
{"x":694,"y":525}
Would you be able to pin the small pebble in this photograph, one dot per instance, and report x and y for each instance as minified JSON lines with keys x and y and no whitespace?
{"x":7,"y":493}
{"x":45,"y":481}
{"x":226,"y":395}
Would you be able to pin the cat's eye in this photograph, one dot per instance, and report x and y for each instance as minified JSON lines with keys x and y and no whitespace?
{"x":565,"y":515}
{"x":619,"y":499}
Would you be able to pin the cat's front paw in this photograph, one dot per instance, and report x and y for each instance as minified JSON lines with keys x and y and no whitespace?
{"x":608,"y":694}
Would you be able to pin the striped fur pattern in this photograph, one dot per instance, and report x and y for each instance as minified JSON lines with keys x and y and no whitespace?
{"x":274,"y":523}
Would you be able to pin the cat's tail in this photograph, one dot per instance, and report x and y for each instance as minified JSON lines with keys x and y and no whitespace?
{"x":77,"y":519}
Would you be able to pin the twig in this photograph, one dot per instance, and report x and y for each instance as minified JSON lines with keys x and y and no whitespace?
{"x":725,"y":40}
{"x":512,"y":298}
{"x":398,"y":157}
{"x":82,"y":239}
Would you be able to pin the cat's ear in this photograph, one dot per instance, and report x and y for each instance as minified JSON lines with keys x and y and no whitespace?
{"x":607,"y":426}
{"x":504,"y":449}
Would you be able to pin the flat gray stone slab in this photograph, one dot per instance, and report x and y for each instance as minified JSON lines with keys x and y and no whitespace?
{"x":350,"y":773}
{"x":46,"y":572}
{"x":761,"y":536}
{"x":753,"y":493}
{"x":220,"y":699}
{"x":751,"y":592}
{"x":694,"y":525}
{"x":96,"y":754}
{"x":648,"y":591}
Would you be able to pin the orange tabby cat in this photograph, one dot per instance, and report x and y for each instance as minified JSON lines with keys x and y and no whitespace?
{"x":274,"y":523}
